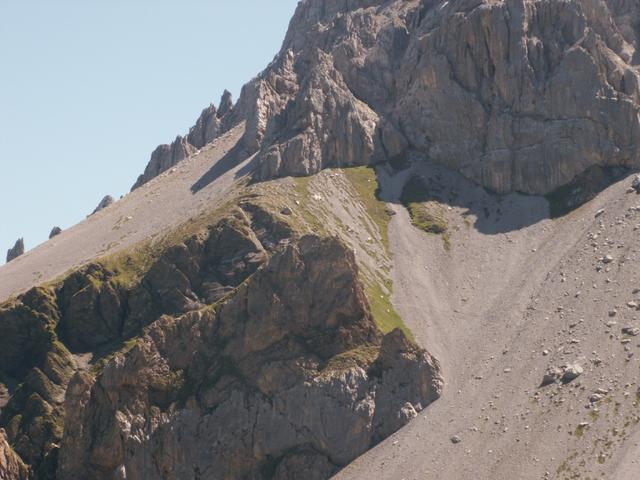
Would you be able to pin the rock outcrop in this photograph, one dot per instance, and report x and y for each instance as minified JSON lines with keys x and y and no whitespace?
{"x":163,"y":158}
{"x":518,"y":95}
{"x":212,"y":123}
{"x":16,"y":250}
{"x":11,"y":466}
{"x":288,"y":374}
{"x":244,"y":349}
{"x":55,"y":231}
{"x":104,"y":203}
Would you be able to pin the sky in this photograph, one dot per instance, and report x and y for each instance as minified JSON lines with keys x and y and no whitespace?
{"x":89,"y":88}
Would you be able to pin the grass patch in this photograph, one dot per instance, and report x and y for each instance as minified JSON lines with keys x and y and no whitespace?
{"x":384,"y":313}
{"x":303,"y":195}
{"x":580,"y":429}
{"x":362,"y":356}
{"x":426,"y":213}
{"x":365,"y":183}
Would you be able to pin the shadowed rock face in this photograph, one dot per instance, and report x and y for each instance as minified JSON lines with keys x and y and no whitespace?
{"x":518,"y":95}
{"x":16,"y":250}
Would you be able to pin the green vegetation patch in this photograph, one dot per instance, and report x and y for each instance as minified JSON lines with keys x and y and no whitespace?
{"x":365,"y":183}
{"x":426,"y":213}
{"x":383,"y":311}
{"x":362,"y":356}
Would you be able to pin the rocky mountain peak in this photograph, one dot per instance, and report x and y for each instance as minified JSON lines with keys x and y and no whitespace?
{"x":525,"y":96}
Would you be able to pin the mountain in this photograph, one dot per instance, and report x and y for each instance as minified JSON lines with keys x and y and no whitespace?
{"x":421,"y":214}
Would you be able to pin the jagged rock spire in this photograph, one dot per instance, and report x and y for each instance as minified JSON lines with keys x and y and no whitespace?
{"x":16,"y":251}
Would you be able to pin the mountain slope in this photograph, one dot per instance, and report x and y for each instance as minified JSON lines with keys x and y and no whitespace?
{"x":250,"y":309}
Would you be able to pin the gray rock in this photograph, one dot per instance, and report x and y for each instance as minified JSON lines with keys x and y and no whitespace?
{"x":333,"y":97}
{"x":635,"y":184}
{"x":104,"y":203}
{"x":16,"y":251}
{"x":631,"y":331}
{"x":571,"y":372}
{"x":55,"y":231}
{"x":206,"y":129}
{"x":552,"y":375}
{"x":226,"y":104}
{"x":166,"y":156}
{"x":456,"y":439}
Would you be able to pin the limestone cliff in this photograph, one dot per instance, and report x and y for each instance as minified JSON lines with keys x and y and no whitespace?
{"x":518,"y":95}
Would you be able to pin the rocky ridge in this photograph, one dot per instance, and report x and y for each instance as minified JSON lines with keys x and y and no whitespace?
{"x":517,"y":95}
{"x":246,"y":326}
{"x":212,"y":123}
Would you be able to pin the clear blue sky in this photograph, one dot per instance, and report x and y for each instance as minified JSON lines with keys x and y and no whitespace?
{"x":88,"y":88}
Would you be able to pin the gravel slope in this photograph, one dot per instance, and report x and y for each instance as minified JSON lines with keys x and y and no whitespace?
{"x":516,"y":294}
{"x":162,"y":203}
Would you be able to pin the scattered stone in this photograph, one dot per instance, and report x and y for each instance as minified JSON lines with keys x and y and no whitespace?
{"x":635,"y":184}
{"x":104,"y":203}
{"x":286,"y":211}
{"x":571,"y":372}
{"x":600,"y":212}
{"x":632,"y":304}
{"x":631,"y":331}
{"x":607,"y":259}
{"x":552,"y":375}
{"x":456,"y":439}
{"x":55,"y":231}
{"x":16,"y":251}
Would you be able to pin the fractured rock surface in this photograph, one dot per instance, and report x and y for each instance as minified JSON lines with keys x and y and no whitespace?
{"x":518,"y":95}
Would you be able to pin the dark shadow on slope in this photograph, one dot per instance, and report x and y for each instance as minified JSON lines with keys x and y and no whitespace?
{"x":488,"y":212}
{"x":230,"y":160}
{"x":584,"y":188}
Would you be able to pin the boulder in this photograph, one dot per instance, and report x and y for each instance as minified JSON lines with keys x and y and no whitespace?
{"x":571,"y":372}
{"x":552,"y":375}
{"x":55,"y":231}
{"x":104,"y":203}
